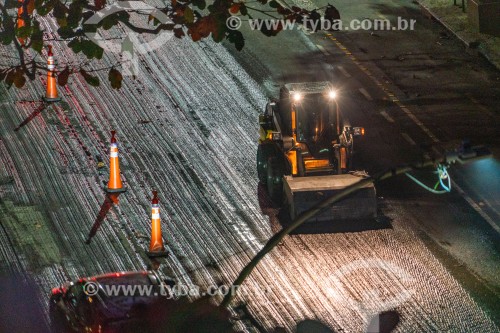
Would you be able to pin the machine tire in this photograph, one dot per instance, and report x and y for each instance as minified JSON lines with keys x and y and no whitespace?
{"x":275,"y":173}
{"x":264,"y":152}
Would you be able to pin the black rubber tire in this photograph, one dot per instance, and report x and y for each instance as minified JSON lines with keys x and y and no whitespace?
{"x":275,"y":173}
{"x":264,"y":152}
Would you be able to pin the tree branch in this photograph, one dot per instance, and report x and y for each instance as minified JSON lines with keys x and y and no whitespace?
{"x":161,"y":27}
{"x":265,"y":12}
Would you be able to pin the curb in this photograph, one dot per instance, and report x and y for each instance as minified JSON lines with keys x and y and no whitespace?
{"x":472,"y":44}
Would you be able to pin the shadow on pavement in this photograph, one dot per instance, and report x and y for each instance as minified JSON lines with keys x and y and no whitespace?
{"x":32,"y":116}
{"x":110,"y":200}
{"x":384,"y":322}
{"x":279,"y":218}
{"x":339,"y":226}
{"x":313,"y":326}
{"x":268,"y":208}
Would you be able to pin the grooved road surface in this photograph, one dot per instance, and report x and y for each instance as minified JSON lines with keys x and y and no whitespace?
{"x":187,"y":126}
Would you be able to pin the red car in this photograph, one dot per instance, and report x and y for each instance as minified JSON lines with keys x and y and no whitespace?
{"x":106,"y":303}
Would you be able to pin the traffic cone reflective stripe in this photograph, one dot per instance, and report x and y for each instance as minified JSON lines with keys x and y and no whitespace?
{"x":50,"y":62}
{"x":115,"y":183}
{"x":51,"y":94}
{"x":156,"y":237}
{"x":155,"y":212}
{"x":156,"y":248}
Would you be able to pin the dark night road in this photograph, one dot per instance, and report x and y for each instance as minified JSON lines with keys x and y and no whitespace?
{"x":422,"y":94}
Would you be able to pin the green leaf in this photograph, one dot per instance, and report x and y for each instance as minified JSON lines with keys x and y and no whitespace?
{"x":98,"y":53}
{"x":7,"y":38}
{"x":219,"y":28}
{"x":273,"y":4}
{"x":92,"y":80}
{"x":62,"y":22}
{"x":91,"y":50}
{"x":37,"y":39}
{"x":59,"y":11}
{"x":88,"y":48}
{"x":75,"y":44}
{"x":43,"y":10}
{"x":66,"y":32}
{"x":23,"y":32}
{"x":236,"y":37}
{"x":75,"y":13}
{"x":115,"y":77}
{"x":201,"y":4}
{"x":108,"y":22}
{"x":92,"y":28}
{"x":188,"y":15}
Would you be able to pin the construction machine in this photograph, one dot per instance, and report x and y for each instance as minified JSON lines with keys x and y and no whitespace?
{"x":305,"y":154}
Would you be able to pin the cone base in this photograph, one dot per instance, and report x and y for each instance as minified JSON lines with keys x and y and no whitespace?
{"x":156,"y":254}
{"x":51,"y":100}
{"x":116,"y":190}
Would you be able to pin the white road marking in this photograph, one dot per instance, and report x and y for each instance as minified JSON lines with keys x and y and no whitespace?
{"x":478,"y":104}
{"x":420,"y":124}
{"x":386,"y":116}
{"x":322,"y":49}
{"x":393,"y":98}
{"x":343,"y":71}
{"x":409,"y":139}
{"x":366,"y":94}
{"x":476,"y":207}
{"x":470,"y":201}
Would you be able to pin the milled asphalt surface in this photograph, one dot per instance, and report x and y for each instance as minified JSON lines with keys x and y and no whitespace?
{"x":453,"y":91}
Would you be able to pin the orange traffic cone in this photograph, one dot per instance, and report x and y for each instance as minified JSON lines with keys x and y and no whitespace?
{"x":115,"y":183}
{"x":29,"y":5}
{"x":51,"y":95}
{"x":156,"y":248}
